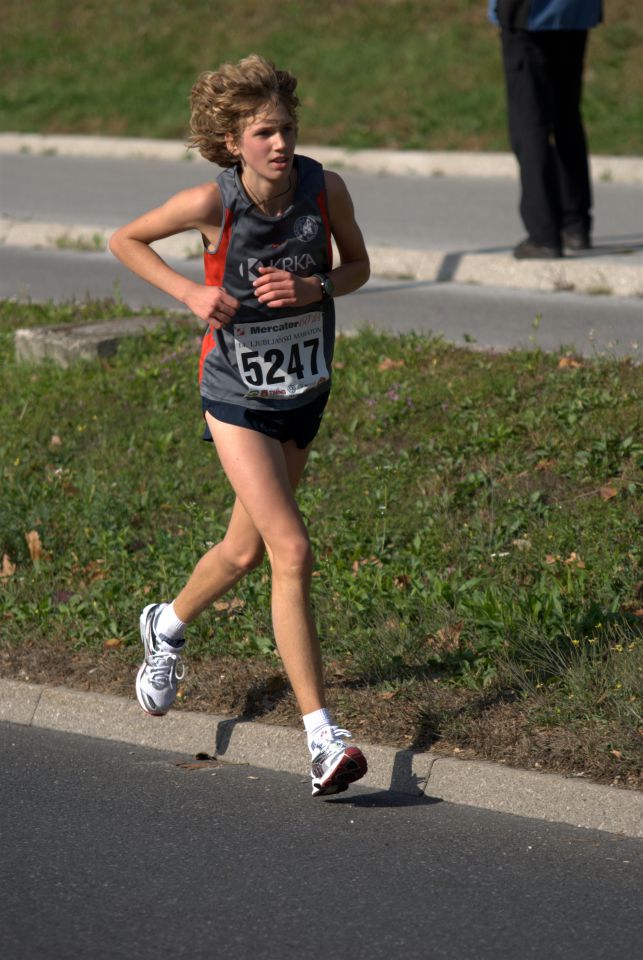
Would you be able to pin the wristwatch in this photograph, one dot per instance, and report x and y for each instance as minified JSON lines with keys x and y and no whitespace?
{"x":327,"y":285}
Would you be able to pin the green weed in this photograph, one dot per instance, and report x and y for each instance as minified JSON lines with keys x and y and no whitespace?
{"x":421,"y":77}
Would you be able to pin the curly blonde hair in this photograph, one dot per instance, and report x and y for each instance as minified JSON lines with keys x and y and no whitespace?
{"x":223,"y":101}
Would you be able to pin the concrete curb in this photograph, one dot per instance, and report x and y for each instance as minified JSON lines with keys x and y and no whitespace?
{"x":616,"y":274}
{"x":480,"y":784}
{"x":395,"y":162}
{"x":67,"y":343}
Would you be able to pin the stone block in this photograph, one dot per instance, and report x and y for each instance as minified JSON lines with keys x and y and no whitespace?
{"x":66,"y":343}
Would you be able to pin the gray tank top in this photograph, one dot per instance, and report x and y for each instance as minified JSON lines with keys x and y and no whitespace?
{"x":267,"y":359}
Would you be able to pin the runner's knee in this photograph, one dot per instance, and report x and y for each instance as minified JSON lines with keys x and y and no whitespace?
{"x":242,"y":559}
{"x":292,"y":557}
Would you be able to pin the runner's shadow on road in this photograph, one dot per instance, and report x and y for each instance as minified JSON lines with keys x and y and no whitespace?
{"x":406,"y":788}
{"x":383,"y":798}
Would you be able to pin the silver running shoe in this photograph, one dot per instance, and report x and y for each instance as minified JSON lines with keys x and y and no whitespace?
{"x":335,"y":766}
{"x":156,"y":682}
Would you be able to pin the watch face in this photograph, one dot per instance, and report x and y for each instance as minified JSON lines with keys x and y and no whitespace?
{"x":328,"y":286}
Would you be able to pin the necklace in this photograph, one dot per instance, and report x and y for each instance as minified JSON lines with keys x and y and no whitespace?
{"x":261,"y":203}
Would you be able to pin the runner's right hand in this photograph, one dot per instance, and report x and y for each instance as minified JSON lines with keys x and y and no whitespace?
{"x":211,"y":304}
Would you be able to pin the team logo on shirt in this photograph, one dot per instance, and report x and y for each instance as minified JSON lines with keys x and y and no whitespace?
{"x":299,"y":263}
{"x":249,"y":269}
{"x":306,"y":228}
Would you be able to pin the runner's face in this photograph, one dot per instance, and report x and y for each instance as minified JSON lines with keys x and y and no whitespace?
{"x":267,"y":144}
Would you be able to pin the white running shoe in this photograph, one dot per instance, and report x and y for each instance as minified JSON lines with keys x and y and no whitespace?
{"x":156,"y":682}
{"x":334,"y":765}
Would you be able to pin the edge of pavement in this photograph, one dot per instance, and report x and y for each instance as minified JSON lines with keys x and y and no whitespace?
{"x":476,"y":783}
{"x":436,"y":163}
{"x":599,"y":273}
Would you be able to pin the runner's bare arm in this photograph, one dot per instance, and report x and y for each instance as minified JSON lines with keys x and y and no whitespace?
{"x":354,"y":266}
{"x":278,"y":288}
{"x":198,"y":208}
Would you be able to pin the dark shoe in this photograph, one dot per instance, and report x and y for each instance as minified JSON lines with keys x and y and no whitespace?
{"x":576,"y":240}
{"x":528,"y":250}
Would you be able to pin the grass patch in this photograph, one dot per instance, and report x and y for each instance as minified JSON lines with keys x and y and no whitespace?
{"x":395,"y":74}
{"x":475,"y":520}
{"x":94,"y":244}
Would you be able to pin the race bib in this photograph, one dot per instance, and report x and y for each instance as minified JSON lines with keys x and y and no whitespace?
{"x":283,"y":358}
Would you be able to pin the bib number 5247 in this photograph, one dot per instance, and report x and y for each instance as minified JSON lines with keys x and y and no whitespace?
{"x":281,"y":359}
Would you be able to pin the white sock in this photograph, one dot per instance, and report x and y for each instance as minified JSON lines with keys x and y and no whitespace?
{"x":316,"y":723}
{"x":168,"y":627}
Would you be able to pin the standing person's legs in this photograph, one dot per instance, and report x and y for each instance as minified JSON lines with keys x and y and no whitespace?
{"x":530,"y":114}
{"x":567,"y":58}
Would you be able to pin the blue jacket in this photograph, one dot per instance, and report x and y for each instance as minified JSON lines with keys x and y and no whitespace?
{"x":546,"y":14}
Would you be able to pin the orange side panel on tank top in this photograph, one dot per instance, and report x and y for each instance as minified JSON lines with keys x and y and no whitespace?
{"x":214,"y":264}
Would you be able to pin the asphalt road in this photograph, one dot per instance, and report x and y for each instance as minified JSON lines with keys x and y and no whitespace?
{"x":487,"y":316}
{"x":113,"y":851}
{"x":442,"y":213}
{"x":449,"y":214}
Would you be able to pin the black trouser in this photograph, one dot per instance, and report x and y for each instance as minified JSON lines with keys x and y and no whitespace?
{"x":544,"y":72}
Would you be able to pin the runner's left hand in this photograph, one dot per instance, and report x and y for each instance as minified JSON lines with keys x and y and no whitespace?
{"x":279,"y":288}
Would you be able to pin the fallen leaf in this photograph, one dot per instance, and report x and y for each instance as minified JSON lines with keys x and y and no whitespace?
{"x":35,"y":545}
{"x":113,"y":643}
{"x":608,"y":492}
{"x":524,"y":543}
{"x":550,"y":558}
{"x":575,"y":559}
{"x":402,"y":581}
{"x":545,"y":464}
{"x":95,"y":570}
{"x":617,"y":754}
{"x":639,"y":612}
{"x":568,"y":363}
{"x":389,"y":364}
{"x":387,"y":694}
{"x":55,"y":441}
{"x":230,"y":605}
{"x":449,"y":636}
{"x":8,"y":568}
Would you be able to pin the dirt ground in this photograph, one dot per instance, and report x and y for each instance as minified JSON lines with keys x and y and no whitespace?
{"x":448,"y":720}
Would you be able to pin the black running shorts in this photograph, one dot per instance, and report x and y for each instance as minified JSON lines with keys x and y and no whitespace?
{"x":300,"y":424}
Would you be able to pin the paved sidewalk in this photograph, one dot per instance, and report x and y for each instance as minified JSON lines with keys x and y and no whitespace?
{"x":423,"y":163}
{"x":473,"y":783}
{"x":430,"y":235}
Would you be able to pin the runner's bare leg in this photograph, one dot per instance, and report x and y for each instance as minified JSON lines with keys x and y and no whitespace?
{"x":264,"y":474}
